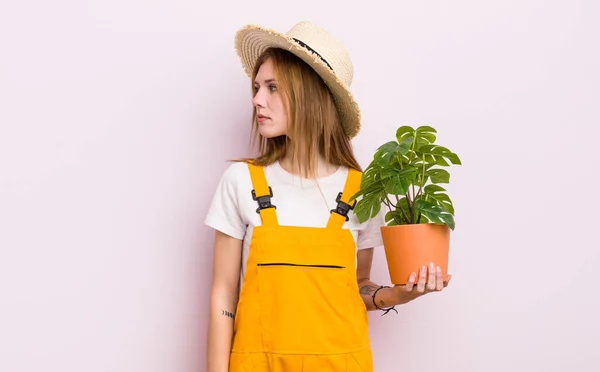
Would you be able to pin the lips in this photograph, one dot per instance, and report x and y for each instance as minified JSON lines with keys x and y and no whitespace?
{"x":260,"y":118}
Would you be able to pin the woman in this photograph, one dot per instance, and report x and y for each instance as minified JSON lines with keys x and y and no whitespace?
{"x":284,"y":219}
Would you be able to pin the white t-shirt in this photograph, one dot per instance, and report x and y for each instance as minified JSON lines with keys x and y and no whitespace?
{"x":299,"y":202}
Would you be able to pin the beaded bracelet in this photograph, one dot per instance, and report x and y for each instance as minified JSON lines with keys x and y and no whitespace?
{"x":378,"y":308}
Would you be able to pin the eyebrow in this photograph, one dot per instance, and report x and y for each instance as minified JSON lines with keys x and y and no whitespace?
{"x":266,"y":81}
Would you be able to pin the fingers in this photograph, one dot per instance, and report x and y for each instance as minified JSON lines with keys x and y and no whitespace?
{"x":422,"y":279}
{"x":431,"y":277}
{"x":411,"y":282}
{"x":439,"y":279}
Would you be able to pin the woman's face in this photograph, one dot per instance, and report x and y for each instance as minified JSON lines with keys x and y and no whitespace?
{"x":270,"y":111}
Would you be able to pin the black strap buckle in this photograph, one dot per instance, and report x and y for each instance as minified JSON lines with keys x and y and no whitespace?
{"x":264,"y":201}
{"x":342,"y":207}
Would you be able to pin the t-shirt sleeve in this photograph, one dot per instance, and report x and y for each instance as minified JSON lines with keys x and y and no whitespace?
{"x":370,"y":236}
{"x":224,"y":213}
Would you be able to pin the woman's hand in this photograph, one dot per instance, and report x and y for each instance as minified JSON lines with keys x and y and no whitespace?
{"x":430,"y":279}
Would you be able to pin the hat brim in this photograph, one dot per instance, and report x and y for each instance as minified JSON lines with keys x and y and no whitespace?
{"x":252,"y":40}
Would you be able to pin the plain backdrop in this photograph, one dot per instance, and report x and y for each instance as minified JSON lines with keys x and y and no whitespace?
{"x":117,"y":118}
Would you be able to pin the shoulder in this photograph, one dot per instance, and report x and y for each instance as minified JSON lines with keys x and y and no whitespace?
{"x":234,"y":179}
{"x":227,"y":209}
{"x":235,"y":170}
{"x":235,"y":174}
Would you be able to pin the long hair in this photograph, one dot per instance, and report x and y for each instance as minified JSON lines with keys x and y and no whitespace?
{"x":313,"y":124}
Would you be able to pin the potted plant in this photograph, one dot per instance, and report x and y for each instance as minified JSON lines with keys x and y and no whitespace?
{"x":405,"y":177}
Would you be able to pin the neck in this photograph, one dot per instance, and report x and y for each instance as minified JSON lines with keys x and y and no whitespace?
{"x":324,"y":169}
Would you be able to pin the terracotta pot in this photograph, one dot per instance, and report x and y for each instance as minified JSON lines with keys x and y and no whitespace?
{"x":409,"y":247}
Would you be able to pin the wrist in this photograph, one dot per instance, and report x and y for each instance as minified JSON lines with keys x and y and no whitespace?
{"x":381,"y":302}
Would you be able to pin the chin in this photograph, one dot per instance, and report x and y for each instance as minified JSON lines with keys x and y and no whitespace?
{"x":269,"y":133}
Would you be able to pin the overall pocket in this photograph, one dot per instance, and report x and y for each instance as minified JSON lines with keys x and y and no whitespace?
{"x":306,"y":308}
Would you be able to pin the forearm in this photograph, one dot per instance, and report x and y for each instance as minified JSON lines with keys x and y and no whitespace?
{"x":220,"y":331}
{"x":385,"y":297}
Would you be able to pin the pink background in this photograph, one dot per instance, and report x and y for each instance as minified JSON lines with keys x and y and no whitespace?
{"x":116,"y":118}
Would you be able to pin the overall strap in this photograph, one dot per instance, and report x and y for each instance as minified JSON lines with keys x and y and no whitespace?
{"x":262,"y":193}
{"x":339,"y":215}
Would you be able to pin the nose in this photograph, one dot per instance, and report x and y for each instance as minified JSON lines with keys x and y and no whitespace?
{"x":258,"y":100}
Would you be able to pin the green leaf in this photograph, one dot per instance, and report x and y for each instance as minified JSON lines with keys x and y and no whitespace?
{"x":396,"y":212}
{"x":385,"y":148}
{"x":424,"y":136}
{"x":426,"y":129}
{"x":404,"y":206}
{"x":419,"y":165}
{"x":432,"y":160}
{"x":385,"y":153}
{"x":435,"y":193}
{"x":439,"y":160}
{"x":388,"y":172}
{"x":427,"y":138}
{"x":441,"y":197}
{"x":368,"y":207}
{"x":438,"y":175}
{"x":409,"y":172}
{"x":390,"y":151}
{"x":454,"y":159}
{"x":405,"y":144}
{"x":369,"y":175}
{"x":369,"y":189}
{"x":434,"y":149}
{"x":436,"y":154}
{"x":397,"y":185}
{"x":404,"y":132}
{"x":427,"y":158}
{"x":435,"y":213}
{"x":394,"y":218}
{"x":433,"y":188}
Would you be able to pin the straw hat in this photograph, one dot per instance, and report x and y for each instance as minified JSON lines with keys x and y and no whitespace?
{"x":326,"y":55}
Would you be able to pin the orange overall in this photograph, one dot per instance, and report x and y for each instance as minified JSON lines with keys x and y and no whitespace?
{"x":300,"y":307}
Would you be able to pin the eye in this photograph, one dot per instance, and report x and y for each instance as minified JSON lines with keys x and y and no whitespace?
{"x":272,"y":87}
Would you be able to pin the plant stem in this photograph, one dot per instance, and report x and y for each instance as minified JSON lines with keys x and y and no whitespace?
{"x":389,"y":204}
{"x":402,"y":210}
{"x":422,"y":178}
{"x":411,"y":206}
{"x":420,"y":190}
{"x":414,"y":199}
{"x":411,"y":157}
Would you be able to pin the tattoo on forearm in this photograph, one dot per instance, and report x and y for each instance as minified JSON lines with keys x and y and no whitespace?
{"x":368,"y":289}
{"x":228,"y":314}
